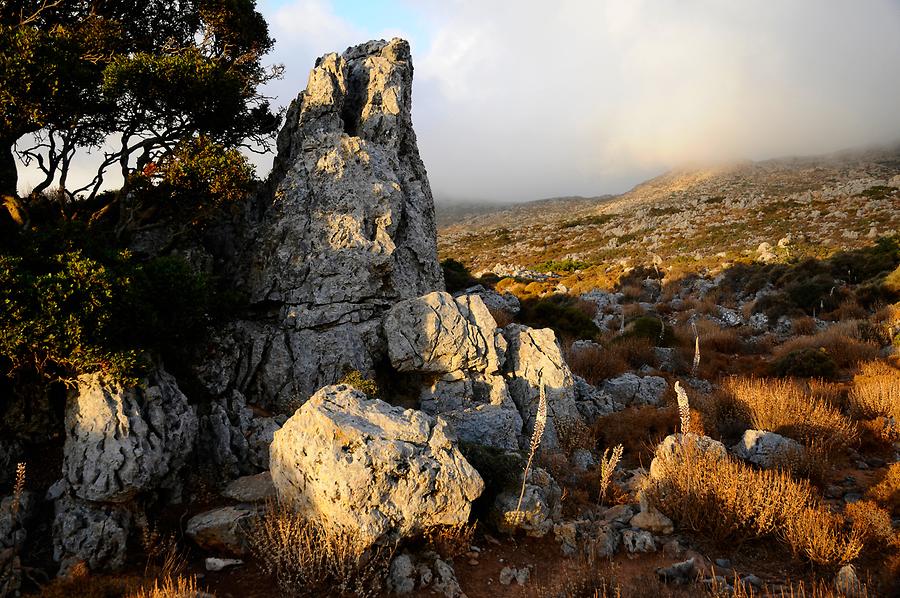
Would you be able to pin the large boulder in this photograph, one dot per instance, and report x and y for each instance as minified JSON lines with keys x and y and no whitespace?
{"x":92,"y":533}
{"x":439,"y":334}
{"x":534,"y":359}
{"x":766,"y":449}
{"x":123,"y":440}
{"x":631,"y":389}
{"x":457,"y":341}
{"x":363,"y":465}
{"x":347,"y":231}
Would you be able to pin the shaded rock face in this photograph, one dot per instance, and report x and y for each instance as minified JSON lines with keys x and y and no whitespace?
{"x":348,"y":231}
{"x":124,"y":440}
{"x":766,"y":449}
{"x":364,"y":465}
{"x":92,"y":533}
{"x":486,"y":380}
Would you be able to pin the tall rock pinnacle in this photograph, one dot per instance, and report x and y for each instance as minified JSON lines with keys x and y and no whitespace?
{"x":347,"y":231}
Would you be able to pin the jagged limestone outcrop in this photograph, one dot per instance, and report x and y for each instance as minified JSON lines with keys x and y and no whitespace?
{"x":347,"y":231}
{"x":121,"y":441}
{"x":361,"y":464}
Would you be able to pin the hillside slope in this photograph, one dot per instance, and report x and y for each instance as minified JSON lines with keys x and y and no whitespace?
{"x":824,"y":203}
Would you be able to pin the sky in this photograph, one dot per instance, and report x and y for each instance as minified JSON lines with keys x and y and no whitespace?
{"x":520,"y":99}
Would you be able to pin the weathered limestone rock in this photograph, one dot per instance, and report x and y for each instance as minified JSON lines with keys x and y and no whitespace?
{"x":121,"y":441}
{"x":505,"y":303}
{"x":534,"y":359}
{"x":93,"y":533}
{"x":251,"y":488}
{"x":365,"y":465}
{"x":348,"y":231}
{"x":234,"y":439}
{"x":631,"y":389}
{"x":221,"y":530}
{"x":541,"y":505}
{"x":458,"y":339}
{"x":593,"y":403}
{"x":14,"y":519}
{"x":439,"y":334}
{"x":667,"y":449}
{"x":765,"y":449}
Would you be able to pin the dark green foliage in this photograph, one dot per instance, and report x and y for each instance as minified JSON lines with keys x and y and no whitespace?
{"x":456,"y":276}
{"x":568,"y":316}
{"x":597,"y":220}
{"x":652,"y":329}
{"x":566,"y":265}
{"x":145,"y":74}
{"x":807,"y":363}
{"x":880,"y":192}
{"x":71,"y":305}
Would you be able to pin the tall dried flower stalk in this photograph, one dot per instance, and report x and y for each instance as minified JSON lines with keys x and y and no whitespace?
{"x":684,"y":408}
{"x":540,"y":422}
{"x":608,"y":465}
{"x":696,"y":349}
{"x":19,"y":488}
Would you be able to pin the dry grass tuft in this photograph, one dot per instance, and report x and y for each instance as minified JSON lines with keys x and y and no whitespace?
{"x":180,"y":587}
{"x":788,"y":408}
{"x":887,"y":491}
{"x":872,"y":522}
{"x":638,"y":429}
{"x":876,"y":391}
{"x":841,"y":341}
{"x":450,"y":540}
{"x":307,"y":557}
{"x":691,"y":484}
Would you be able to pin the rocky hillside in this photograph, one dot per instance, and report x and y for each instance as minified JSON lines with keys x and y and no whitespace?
{"x":813,"y":206}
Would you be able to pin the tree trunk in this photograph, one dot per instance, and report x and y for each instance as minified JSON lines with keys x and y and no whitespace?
{"x":9,"y":174}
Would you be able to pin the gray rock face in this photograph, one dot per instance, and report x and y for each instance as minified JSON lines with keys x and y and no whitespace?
{"x":234,"y":439}
{"x":631,"y":389}
{"x":365,"y":465}
{"x":535,"y":359}
{"x":251,"y":488}
{"x":221,"y":530}
{"x":457,"y":339}
{"x":541,"y":505}
{"x":765,"y":449}
{"x":496,"y":302}
{"x":348,"y":231}
{"x":14,"y":519}
{"x":93,"y":533}
{"x":593,"y":403}
{"x":668,"y":449}
{"x":440,"y":334}
{"x":122,"y":441}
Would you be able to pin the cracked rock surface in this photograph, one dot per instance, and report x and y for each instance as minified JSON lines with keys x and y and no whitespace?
{"x":347,"y":231}
{"x":364,"y":465}
{"x":121,"y":440}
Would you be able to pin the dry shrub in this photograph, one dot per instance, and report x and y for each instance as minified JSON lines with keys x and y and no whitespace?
{"x":307,"y":557}
{"x":450,"y":540}
{"x":637,"y":429}
{"x":872,"y":522}
{"x":716,"y":339}
{"x":887,"y":491}
{"x":731,"y":501}
{"x":787,"y":408}
{"x":829,"y":393}
{"x":815,"y":589}
{"x":840,"y":341}
{"x":180,"y":587}
{"x":596,"y":363}
{"x":803,"y":325}
{"x":82,"y":584}
{"x":502,"y":317}
{"x":876,"y":391}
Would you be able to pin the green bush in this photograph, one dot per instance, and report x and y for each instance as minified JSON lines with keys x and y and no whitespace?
{"x":355,"y":379}
{"x":806,"y":363}
{"x":568,"y":316}
{"x":71,"y":305}
{"x":456,"y":276}
{"x":653,"y":330}
{"x":566,"y":265}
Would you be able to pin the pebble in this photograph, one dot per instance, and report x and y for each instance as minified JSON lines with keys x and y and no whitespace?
{"x":217,"y":564}
{"x":724,"y":563}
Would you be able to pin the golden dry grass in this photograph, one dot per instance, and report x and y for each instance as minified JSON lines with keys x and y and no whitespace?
{"x":307,"y":556}
{"x":690,"y":485}
{"x":180,"y":587}
{"x":887,"y":491}
{"x":789,"y":408}
{"x":842,"y":341}
{"x":876,"y":391}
